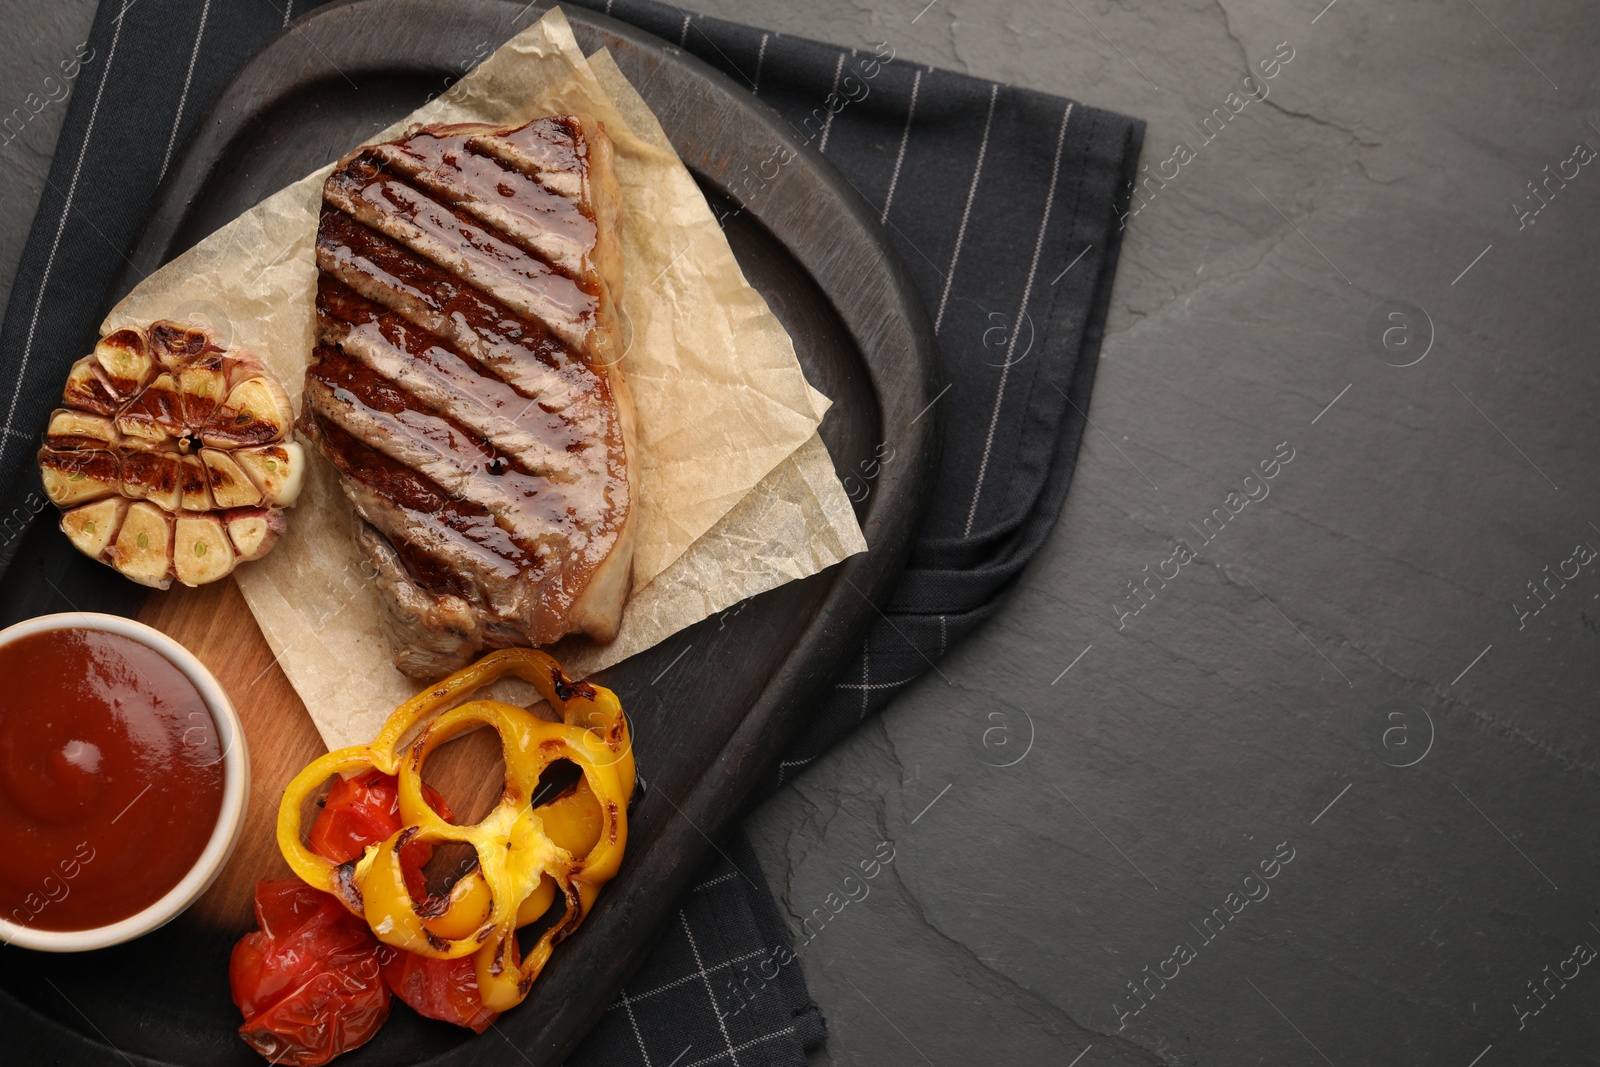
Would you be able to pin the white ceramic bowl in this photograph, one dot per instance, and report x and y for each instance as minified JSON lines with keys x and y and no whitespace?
{"x":235,"y":789}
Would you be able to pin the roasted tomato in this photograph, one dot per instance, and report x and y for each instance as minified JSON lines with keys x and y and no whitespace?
{"x":446,"y":990}
{"x":313,"y":982}
{"x":308,"y":980}
{"x":364,"y":810}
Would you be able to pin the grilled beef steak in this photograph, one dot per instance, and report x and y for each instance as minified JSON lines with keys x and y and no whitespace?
{"x":467,"y":383}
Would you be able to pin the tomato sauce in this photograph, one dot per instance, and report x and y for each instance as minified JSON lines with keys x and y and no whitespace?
{"x":111,"y":778}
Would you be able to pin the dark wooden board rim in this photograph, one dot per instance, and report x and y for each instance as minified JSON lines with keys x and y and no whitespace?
{"x":832,"y":233}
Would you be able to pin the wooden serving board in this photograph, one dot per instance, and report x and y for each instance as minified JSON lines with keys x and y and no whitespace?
{"x":282,"y":739}
{"x":707,"y":731}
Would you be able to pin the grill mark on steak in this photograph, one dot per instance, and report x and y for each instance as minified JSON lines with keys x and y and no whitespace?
{"x":521,"y":353}
{"x":464,"y":385}
{"x":451,"y":384}
{"x":430,"y":530}
{"x":367,"y":407}
{"x":461,"y":244}
{"x":553,"y":160}
{"x":532,"y":216}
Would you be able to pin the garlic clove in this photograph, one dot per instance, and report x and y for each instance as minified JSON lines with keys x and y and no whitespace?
{"x":153,"y":476}
{"x":174,"y":344}
{"x":91,"y":527}
{"x":203,"y":386}
{"x":124,"y":362}
{"x":257,"y":413}
{"x":155,"y":414}
{"x":70,"y":430}
{"x":196,"y":494}
{"x":254,"y":530}
{"x":201,"y":551}
{"x":277,"y":470}
{"x":231,"y":487}
{"x":142,"y":550}
{"x":89,"y":390}
{"x":77,"y":477}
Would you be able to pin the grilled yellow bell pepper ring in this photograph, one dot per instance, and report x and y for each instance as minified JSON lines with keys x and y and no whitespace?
{"x":527,"y":857}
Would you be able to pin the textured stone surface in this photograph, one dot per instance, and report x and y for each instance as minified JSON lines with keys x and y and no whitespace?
{"x":1318,"y":641}
{"x":1209,"y":730}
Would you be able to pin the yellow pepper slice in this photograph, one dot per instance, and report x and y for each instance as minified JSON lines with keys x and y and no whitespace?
{"x":528,"y":857}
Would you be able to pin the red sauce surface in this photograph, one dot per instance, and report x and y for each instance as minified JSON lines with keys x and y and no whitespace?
{"x":110,"y":778}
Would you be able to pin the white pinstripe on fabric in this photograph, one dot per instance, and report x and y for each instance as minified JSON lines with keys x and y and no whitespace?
{"x":676,"y":982}
{"x":972,"y":191}
{"x":66,"y":209}
{"x":1027,"y":294}
{"x":634,"y":1022}
{"x":874,"y":686}
{"x":866,"y":680}
{"x":783,"y":768}
{"x":183,"y":99}
{"x":761,"y":56}
{"x":900,"y":157}
{"x":827,"y":123}
{"x":786,"y":1031}
{"x":722,"y":1025}
{"x":718,"y":880}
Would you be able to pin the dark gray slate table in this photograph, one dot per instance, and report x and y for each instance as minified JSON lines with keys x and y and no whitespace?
{"x":1375,"y":682}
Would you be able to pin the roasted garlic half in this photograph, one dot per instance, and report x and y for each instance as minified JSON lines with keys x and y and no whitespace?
{"x":171,"y":457}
